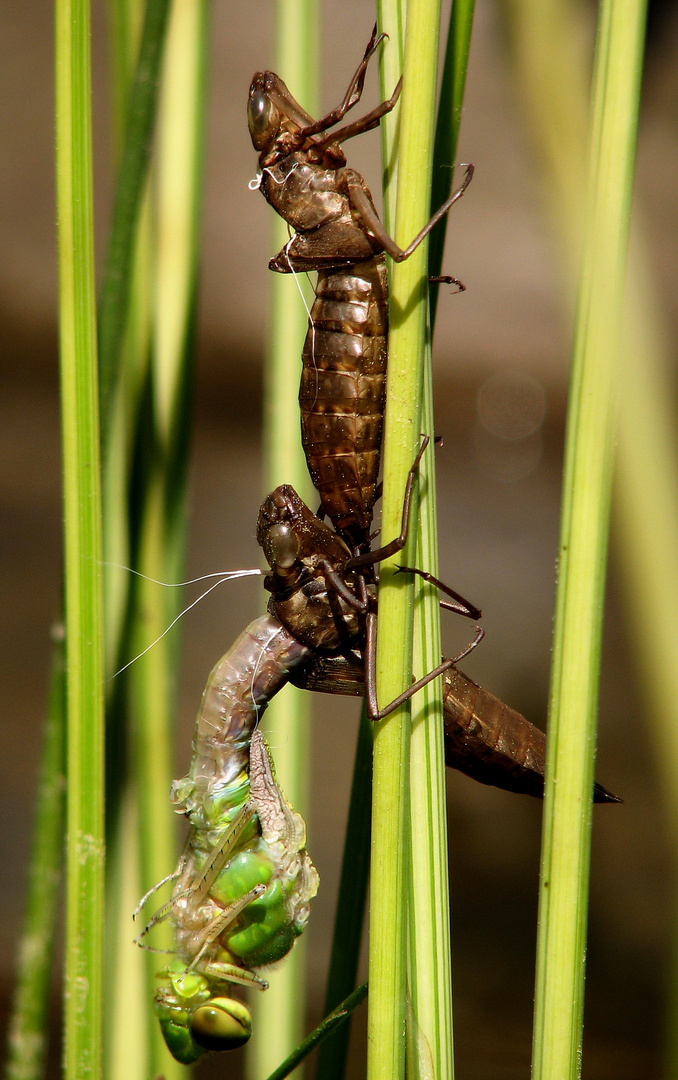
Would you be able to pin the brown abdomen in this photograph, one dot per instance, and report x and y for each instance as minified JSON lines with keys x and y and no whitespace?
{"x":342,"y":393}
{"x":490,"y":741}
{"x":494,"y":744}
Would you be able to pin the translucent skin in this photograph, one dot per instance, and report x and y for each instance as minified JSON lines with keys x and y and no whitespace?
{"x":245,"y":881}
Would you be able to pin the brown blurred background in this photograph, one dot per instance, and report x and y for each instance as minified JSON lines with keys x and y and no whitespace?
{"x":500,"y":362}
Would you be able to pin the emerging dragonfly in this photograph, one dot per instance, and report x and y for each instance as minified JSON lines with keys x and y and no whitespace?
{"x":304,"y":176}
{"x":331,"y":611}
{"x":245,"y":880}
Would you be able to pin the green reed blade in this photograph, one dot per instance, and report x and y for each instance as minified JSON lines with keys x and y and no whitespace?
{"x":583,"y":548}
{"x":29,"y":1017}
{"x":133,"y":169}
{"x":407,"y":337}
{"x":324,"y":1030}
{"x":448,"y":121}
{"x":350,"y":912}
{"x":82,"y":547}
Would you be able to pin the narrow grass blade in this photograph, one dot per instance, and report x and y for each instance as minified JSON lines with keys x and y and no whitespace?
{"x":448,"y":121}
{"x":407,"y":337}
{"x":27,"y":1031}
{"x":350,"y":913}
{"x":547,"y":56}
{"x":297,"y":47}
{"x":132,"y":174}
{"x":152,"y":694}
{"x":82,"y":546}
{"x":329,"y":1025}
{"x":645,"y":527}
{"x":431,"y":1036}
{"x":126,"y":1033}
{"x":583,"y":547}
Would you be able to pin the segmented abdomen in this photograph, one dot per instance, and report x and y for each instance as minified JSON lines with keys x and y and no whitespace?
{"x":490,"y":741}
{"x":238,"y":689}
{"x":484,"y":738}
{"x":342,"y":393}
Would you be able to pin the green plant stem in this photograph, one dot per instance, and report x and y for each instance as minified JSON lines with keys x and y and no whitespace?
{"x":583,"y":547}
{"x":645,"y":527}
{"x":326,"y":1028}
{"x":131,"y":178}
{"x":350,"y":913}
{"x":126,"y":1033}
{"x":448,"y":122}
{"x":430,"y":1044}
{"x":153,"y":692}
{"x":27,"y":1032}
{"x":177,"y":188}
{"x":430,"y":1032}
{"x":297,"y":36}
{"x":407,"y":336}
{"x":82,"y":547}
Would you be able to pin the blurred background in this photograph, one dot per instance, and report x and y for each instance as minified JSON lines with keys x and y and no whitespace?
{"x":501,"y":357}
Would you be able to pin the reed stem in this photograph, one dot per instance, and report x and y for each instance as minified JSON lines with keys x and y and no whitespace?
{"x":407,"y":338}
{"x":82,"y":547}
{"x":583,"y":548}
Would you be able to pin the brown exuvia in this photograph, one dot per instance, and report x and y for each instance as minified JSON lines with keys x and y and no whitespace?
{"x":337,"y":232}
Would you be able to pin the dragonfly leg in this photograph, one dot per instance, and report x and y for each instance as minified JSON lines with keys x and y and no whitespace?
{"x":352,"y":95}
{"x":234,"y":974}
{"x":363,"y":207}
{"x":446,"y":279}
{"x":373,"y":711}
{"x":369,"y":557}
{"x":335,"y":579}
{"x":367,"y":122}
{"x":164,"y":881}
{"x":219,"y":923}
{"x":203,"y":881}
{"x":459,"y":605}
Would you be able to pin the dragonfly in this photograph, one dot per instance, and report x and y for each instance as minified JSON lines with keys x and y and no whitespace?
{"x":244,"y":882}
{"x":331,"y":611}
{"x":337,"y":232}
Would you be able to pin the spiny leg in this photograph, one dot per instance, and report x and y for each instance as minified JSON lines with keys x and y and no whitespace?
{"x":369,"y":557}
{"x":352,"y":95}
{"x":372,"y":223}
{"x":373,"y":710}
{"x":219,"y":923}
{"x":459,"y":605}
{"x":462,"y":606}
{"x":207,"y":875}
{"x":366,"y":123}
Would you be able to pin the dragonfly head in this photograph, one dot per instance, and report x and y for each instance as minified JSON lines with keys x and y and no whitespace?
{"x":291,"y":534}
{"x":275,"y":119}
{"x":194,"y":1021}
{"x":263,"y":117}
{"x":279,"y":529}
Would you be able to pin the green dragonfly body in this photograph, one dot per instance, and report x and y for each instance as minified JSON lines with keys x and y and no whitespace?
{"x":244,"y":881}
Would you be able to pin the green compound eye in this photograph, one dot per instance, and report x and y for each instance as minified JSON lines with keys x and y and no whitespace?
{"x":221,"y":1024}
